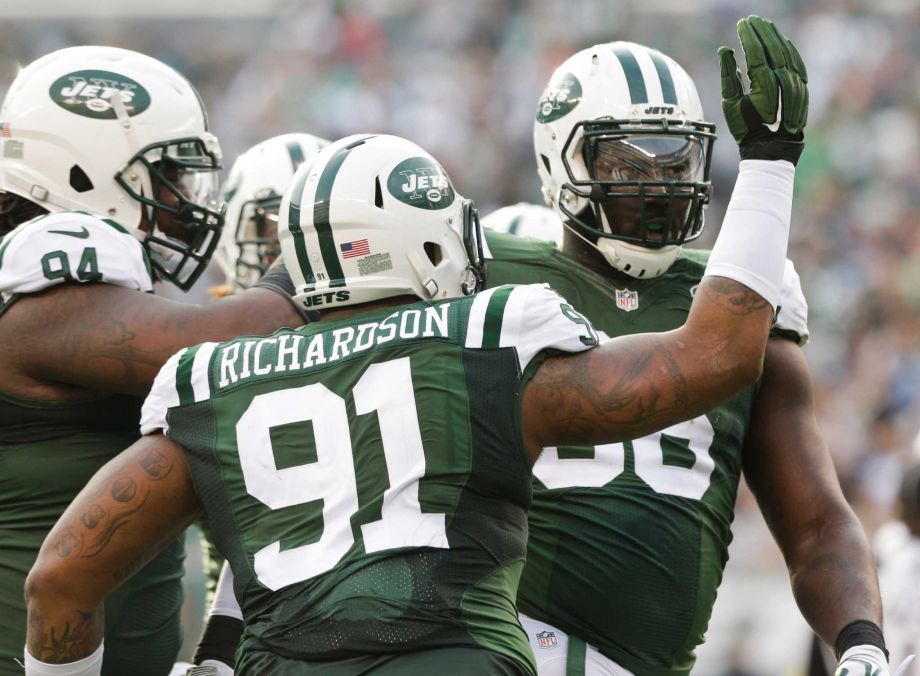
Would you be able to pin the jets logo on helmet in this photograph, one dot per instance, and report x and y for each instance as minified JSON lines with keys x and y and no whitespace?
{"x":124,"y":136}
{"x":626,"y":166}
{"x":90,"y":92}
{"x":421,"y":183}
{"x":376,"y":217}
{"x":559,"y":98}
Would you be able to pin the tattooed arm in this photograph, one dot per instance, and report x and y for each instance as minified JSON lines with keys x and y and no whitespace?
{"x":634,"y":385}
{"x":106,"y":337}
{"x":130,"y":510}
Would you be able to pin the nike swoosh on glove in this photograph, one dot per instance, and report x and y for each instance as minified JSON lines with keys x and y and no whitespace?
{"x":767,"y":121}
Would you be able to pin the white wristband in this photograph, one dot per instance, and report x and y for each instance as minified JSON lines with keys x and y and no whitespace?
{"x":751,"y":247}
{"x":215,"y":668}
{"x":865,"y":652}
{"x":225,"y":602}
{"x":88,"y":666}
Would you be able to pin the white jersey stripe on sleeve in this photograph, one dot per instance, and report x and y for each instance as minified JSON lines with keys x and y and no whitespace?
{"x":163,"y":396}
{"x":200,"y":369}
{"x":477,"y":319}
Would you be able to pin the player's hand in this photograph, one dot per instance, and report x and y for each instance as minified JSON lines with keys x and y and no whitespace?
{"x":863,"y":660}
{"x":768,"y":121}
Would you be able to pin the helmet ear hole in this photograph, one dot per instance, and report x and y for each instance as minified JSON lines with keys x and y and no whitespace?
{"x":545,"y":160}
{"x":434,"y":252}
{"x":79,"y":181}
{"x":378,"y":193}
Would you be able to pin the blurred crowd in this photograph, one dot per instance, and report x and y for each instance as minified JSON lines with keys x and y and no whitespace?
{"x":463,"y":79}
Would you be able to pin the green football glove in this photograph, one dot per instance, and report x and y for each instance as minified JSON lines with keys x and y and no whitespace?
{"x":767,"y":121}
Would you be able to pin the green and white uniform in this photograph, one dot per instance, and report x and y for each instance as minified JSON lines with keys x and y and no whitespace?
{"x":628,"y":541}
{"x":50,"y":449}
{"x":366,"y":483}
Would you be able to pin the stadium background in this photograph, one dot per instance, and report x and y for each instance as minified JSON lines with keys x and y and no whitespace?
{"x":462,"y":78}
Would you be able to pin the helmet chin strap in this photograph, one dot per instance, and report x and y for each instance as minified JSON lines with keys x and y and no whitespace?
{"x":631,"y":259}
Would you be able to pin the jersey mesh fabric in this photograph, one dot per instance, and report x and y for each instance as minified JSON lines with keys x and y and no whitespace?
{"x":390,"y":599}
{"x":631,"y":569}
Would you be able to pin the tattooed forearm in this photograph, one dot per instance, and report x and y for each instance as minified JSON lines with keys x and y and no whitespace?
{"x":64,"y":641}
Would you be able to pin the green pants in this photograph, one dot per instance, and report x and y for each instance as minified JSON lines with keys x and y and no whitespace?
{"x":441,"y":661}
{"x":37,"y":482}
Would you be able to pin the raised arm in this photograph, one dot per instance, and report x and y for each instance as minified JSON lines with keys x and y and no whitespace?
{"x":635,"y":385}
{"x":89,"y":552}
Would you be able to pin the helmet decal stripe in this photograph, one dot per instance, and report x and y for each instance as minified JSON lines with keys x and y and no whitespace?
{"x":634,"y":79}
{"x":327,"y":247}
{"x":296,"y":154}
{"x":664,"y":75}
{"x":297,"y":232}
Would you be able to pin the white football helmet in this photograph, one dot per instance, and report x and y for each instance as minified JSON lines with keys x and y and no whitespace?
{"x":121,"y":135}
{"x":375,"y":216}
{"x":526,"y":220}
{"x":623,"y":154}
{"x":253,"y":190}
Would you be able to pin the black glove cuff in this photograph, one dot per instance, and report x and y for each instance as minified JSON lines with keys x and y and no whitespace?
{"x":278,"y":279}
{"x":859,"y":632}
{"x":221,"y":637}
{"x":774,"y":149}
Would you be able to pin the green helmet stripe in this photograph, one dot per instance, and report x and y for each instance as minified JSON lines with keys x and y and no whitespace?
{"x":184,"y":377}
{"x":300,"y":247}
{"x":514,"y":225}
{"x":327,"y":246}
{"x":664,"y":76}
{"x":295,"y":152}
{"x":637,"y":91}
{"x":492,"y":327}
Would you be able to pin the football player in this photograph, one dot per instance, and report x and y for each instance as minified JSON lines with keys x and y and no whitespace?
{"x":526,"y":220}
{"x":108,"y":179}
{"x":248,"y":245}
{"x":252,"y":191}
{"x":361,"y":474}
{"x":628,"y":541}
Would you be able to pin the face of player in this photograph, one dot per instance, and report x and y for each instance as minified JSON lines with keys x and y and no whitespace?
{"x":643,"y":178}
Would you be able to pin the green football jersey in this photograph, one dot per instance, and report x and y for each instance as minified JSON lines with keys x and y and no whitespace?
{"x":50,"y":449}
{"x":366,"y":478}
{"x":628,"y":541}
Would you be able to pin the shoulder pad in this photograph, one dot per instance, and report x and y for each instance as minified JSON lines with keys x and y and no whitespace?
{"x":71,"y":247}
{"x":505,"y":247}
{"x":530,"y":318}
{"x":792,"y":315}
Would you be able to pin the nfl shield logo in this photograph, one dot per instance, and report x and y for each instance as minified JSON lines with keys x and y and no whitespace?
{"x":627,"y":300}
{"x":546,"y":639}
